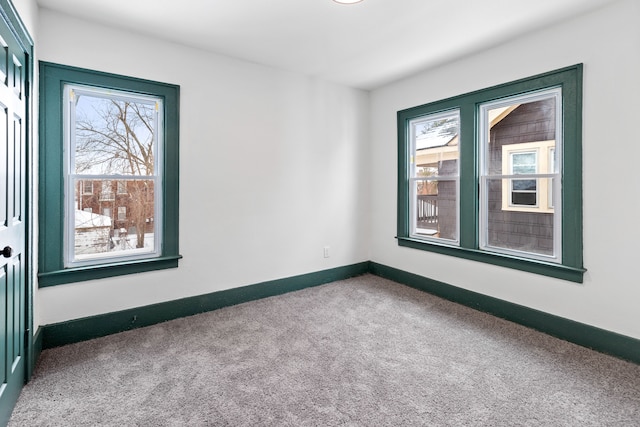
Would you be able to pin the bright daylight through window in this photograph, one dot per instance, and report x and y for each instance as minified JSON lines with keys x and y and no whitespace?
{"x":434,"y":176}
{"x":495,"y":175}
{"x":113,"y":189}
{"x":518,"y":138}
{"x":108,"y":170}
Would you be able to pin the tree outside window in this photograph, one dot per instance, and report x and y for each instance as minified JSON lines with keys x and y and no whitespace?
{"x":113,"y":139}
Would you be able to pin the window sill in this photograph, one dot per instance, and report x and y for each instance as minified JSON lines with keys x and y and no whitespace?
{"x":81,"y":274}
{"x":558,"y":271}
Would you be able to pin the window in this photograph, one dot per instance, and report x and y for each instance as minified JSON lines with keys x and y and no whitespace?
{"x":528,"y":195}
{"x":523,"y":192}
{"x":106,"y":193}
{"x":117,"y":136}
{"x":87,"y":187}
{"x":122,"y":187}
{"x":109,"y":134}
{"x":495,"y":175}
{"x":434,"y":176}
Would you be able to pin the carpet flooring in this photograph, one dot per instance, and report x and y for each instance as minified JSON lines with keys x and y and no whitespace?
{"x":359,"y":352}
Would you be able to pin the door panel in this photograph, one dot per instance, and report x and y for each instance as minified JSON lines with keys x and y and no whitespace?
{"x":13,"y":108}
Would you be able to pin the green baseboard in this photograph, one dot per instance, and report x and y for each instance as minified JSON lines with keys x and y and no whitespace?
{"x":77,"y":330}
{"x":87,"y":328}
{"x":601,"y":340}
{"x":34,"y":353}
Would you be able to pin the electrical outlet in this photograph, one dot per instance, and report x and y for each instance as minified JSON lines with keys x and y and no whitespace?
{"x":326,"y":251}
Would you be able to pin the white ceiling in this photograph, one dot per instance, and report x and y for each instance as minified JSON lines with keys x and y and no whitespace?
{"x":363,"y":45}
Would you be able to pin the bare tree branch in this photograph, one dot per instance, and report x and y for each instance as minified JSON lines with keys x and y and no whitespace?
{"x":116,"y":137}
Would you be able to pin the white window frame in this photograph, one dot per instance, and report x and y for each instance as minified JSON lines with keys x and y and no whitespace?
{"x":485,"y":177}
{"x":71,"y":91}
{"x":87,"y":189}
{"x":413,"y":179}
{"x":512,"y":172}
{"x":544,"y":151}
{"x":552,"y":167}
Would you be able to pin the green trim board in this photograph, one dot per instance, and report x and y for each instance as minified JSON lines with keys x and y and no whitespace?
{"x":102,"y":271}
{"x":106,"y":324}
{"x":558,"y":271}
{"x":9,"y":11}
{"x":51,"y":268}
{"x":36,"y":350}
{"x":601,"y":340}
{"x":13,"y":387}
{"x":77,"y":330}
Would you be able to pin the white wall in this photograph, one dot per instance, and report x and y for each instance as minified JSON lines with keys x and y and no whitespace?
{"x":275,"y":165}
{"x":608,"y":43}
{"x":272,"y":169}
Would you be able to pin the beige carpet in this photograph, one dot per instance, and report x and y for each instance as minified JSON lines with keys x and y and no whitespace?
{"x":360,"y":352}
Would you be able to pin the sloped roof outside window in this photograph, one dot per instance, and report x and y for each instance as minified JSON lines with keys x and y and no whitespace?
{"x":91,"y":220}
{"x":433,"y":140}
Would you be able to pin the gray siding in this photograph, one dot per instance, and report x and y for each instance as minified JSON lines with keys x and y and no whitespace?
{"x":528,"y":231}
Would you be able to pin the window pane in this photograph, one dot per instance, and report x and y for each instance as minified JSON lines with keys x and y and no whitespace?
{"x":520,"y":139}
{"x":523,"y":185}
{"x":524,"y":198}
{"x":434,"y":158}
{"x":531,"y":231}
{"x":112,"y":142}
{"x":436,"y":209}
{"x":435,"y":145}
{"x":120,"y":226}
{"x":87,"y":187}
{"x":106,"y":192}
{"x":113,"y":135}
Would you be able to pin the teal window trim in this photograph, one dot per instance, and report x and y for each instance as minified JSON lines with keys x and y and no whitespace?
{"x":570,"y":80}
{"x":51,"y":268}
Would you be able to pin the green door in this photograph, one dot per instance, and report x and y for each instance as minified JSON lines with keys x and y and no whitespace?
{"x":13,"y":109}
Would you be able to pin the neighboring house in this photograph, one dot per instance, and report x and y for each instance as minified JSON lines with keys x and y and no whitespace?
{"x":128,"y":204}
{"x":523,"y":141}
{"x":437,"y":155}
{"x":92,"y":233}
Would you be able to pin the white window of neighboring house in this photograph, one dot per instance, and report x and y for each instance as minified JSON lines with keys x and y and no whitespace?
{"x":122,"y":213}
{"x":122,"y":187}
{"x":90,"y":210}
{"x":529,"y":158}
{"x":87,"y":187}
{"x":524,"y":192}
{"x":106,"y":212}
{"x":107,"y":191}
